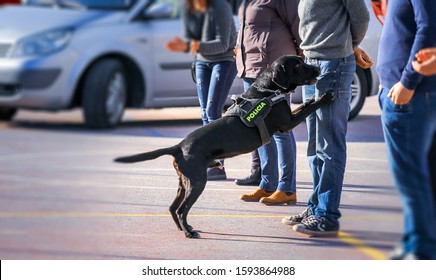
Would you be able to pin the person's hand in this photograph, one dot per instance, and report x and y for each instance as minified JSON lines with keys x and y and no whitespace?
{"x":400,"y":95}
{"x":177,"y":45}
{"x":235,"y":51}
{"x":194,"y":46}
{"x":362,"y":58}
{"x":425,"y":62}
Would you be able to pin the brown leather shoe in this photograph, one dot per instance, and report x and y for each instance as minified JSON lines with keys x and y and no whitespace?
{"x":279,"y":197}
{"x":256,"y":195}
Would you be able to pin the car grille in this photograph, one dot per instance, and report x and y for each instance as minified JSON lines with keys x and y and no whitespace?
{"x":4,"y":48}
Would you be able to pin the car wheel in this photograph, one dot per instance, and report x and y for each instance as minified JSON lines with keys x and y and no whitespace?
{"x":6,"y":114}
{"x":359,"y":91}
{"x":104,"y":94}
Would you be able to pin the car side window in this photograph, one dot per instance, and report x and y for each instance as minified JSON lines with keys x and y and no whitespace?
{"x":175,"y":6}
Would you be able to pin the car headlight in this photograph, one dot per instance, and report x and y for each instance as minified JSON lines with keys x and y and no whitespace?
{"x":42,"y":43}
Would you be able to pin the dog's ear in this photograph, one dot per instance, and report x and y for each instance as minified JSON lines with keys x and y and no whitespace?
{"x":281,"y":75}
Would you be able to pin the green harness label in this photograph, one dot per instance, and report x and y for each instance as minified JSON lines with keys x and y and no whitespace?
{"x":256,"y":111}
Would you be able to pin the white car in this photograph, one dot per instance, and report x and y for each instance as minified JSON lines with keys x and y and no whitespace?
{"x":101,"y":55}
{"x":105,"y":56}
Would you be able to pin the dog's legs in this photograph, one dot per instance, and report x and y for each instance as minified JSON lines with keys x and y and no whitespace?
{"x":176,"y":203}
{"x":310,"y":106}
{"x":181,"y":191}
{"x":194,"y":187}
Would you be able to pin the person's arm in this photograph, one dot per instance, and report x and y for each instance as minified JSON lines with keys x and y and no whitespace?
{"x":425,"y":62}
{"x":403,"y":91}
{"x":223,"y":18}
{"x":178,"y":44}
{"x":359,"y":19}
{"x":288,"y":12}
{"x":424,"y":11}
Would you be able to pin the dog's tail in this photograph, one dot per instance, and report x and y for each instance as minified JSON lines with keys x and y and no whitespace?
{"x":174,"y":150}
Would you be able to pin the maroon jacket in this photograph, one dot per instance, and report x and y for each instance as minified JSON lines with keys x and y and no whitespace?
{"x":268,"y":29}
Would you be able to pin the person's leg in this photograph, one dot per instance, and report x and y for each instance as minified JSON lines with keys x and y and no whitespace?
{"x":255,"y":175}
{"x":432,"y":164}
{"x":203,"y":73}
{"x":269,"y":165}
{"x":308,"y":93}
{"x":222,"y":77}
{"x":329,"y":160}
{"x":221,"y":80}
{"x":285,"y":154}
{"x":269,"y":171}
{"x":408,"y":131}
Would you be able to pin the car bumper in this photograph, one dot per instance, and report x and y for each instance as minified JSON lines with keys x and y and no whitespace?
{"x":38,"y":83}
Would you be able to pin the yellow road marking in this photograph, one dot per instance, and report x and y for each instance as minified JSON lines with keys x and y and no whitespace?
{"x":373,"y":253}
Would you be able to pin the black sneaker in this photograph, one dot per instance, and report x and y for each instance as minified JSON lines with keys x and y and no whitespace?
{"x":252,"y":180}
{"x":296,"y":219}
{"x":317,"y":226}
{"x":216,"y":173}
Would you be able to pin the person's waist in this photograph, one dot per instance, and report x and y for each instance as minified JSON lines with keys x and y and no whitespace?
{"x":348,"y":58}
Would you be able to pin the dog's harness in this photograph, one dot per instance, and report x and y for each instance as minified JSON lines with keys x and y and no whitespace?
{"x":253,"y":111}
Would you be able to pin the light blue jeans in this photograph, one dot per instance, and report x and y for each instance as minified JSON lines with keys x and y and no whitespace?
{"x":408,"y":131}
{"x":280,"y":152}
{"x":214,"y":80}
{"x":327,"y":129}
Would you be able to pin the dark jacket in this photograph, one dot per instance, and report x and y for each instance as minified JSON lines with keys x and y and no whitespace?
{"x":215,"y":30}
{"x":268,"y":29}
{"x":409,"y":26}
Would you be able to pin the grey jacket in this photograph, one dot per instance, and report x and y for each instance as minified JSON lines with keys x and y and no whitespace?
{"x":215,"y":30}
{"x":332,"y":28}
{"x":268,"y":29}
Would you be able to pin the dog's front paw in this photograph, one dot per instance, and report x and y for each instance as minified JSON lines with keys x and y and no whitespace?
{"x":192,"y":234}
{"x":328,"y":96}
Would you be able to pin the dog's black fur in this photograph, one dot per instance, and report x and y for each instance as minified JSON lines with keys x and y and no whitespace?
{"x":228,"y":136}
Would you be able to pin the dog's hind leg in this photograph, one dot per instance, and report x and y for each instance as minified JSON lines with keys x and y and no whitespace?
{"x":179,"y":197}
{"x":177,"y":201}
{"x":194,"y":187}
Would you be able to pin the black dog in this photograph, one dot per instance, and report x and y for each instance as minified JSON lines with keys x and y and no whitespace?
{"x":229,"y":136}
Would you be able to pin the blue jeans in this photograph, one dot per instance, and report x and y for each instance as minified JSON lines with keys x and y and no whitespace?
{"x":214,"y":80}
{"x":408,"y":131}
{"x":327,"y":129}
{"x":280,"y":152}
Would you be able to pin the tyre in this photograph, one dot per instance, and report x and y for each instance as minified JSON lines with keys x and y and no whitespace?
{"x":6,"y":114}
{"x":359,"y":92}
{"x":104,"y":94}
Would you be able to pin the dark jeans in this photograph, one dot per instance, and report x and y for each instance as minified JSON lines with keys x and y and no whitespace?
{"x":432,"y":164}
{"x":408,"y":131}
{"x":214,"y":80}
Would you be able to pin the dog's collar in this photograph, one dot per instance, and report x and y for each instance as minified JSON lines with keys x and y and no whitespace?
{"x":270,"y":91}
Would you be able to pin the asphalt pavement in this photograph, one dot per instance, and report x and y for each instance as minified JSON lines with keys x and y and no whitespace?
{"x":62,"y":197}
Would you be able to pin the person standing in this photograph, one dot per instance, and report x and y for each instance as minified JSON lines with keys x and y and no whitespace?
{"x":408,"y":103}
{"x":210,"y":35}
{"x":331,"y":31}
{"x":269,"y":30}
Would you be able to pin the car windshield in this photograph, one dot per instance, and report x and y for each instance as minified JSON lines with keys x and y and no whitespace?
{"x":83,"y":4}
